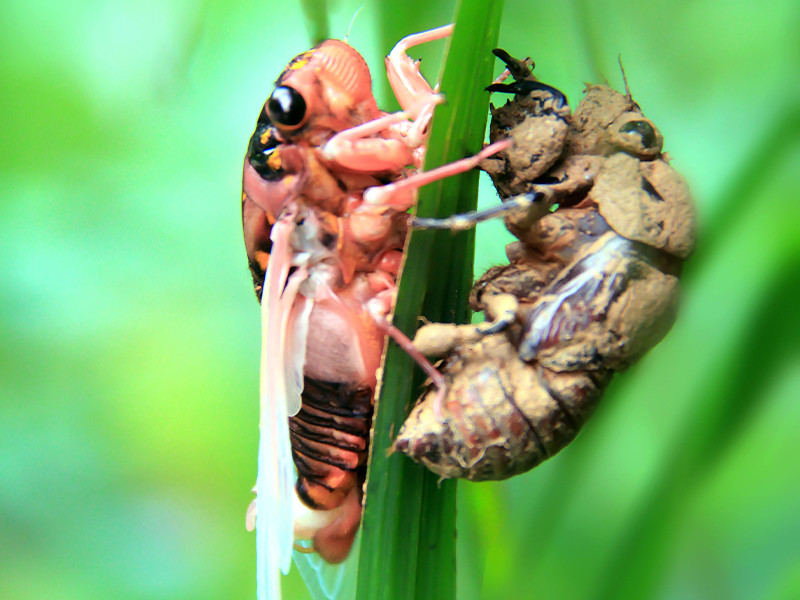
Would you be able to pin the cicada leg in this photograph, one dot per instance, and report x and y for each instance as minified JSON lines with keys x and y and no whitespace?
{"x":520,"y":69}
{"x":501,"y":310}
{"x":412,"y":91}
{"x":400,"y":195}
{"x":355,"y":150}
{"x":379,"y":308}
{"x":368,"y":218}
{"x":535,"y":204}
{"x":437,"y":339}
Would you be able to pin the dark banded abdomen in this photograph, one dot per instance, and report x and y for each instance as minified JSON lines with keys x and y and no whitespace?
{"x":330,"y":438}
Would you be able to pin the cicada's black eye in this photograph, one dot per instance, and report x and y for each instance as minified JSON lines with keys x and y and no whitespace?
{"x":286,"y":107}
{"x":645,"y":131}
{"x":263,"y":117}
{"x":262,"y":152}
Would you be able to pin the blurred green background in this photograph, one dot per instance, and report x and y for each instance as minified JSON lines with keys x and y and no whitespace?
{"x":130,"y":337}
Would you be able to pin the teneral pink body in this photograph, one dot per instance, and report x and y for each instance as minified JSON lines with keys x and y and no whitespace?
{"x":327,"y":180}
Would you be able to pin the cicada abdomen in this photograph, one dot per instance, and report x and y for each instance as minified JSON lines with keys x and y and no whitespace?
{"x":592,"y":284}
{"x":502,"y":416}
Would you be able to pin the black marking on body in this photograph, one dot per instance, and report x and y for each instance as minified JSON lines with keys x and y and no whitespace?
{"x":329,"y":408}
{"x":534,"y":432}
{"x":652,"y":191}
{"x":571,"y":420}
{"x":263,"y":144}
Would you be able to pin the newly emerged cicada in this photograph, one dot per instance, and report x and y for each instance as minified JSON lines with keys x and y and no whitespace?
{"x":604,"y":225}
{"x":328,"y":178}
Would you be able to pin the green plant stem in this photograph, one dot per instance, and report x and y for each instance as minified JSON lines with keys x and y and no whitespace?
{"x":407,"y":546}
{"x":316,"y":14}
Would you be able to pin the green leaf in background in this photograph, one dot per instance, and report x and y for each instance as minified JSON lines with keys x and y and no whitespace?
{"x":316,"y":14}
{"x":408,"y":530}
{"x":129,"y":335}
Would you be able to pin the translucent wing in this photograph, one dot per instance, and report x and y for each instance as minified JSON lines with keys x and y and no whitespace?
{"x":326,"y":581}
{"x":275,"y":481}
{"x":296,"y":336}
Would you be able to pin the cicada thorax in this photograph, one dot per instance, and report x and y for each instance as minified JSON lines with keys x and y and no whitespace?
{"x":594,"y":284}
{"x":278,"y":173}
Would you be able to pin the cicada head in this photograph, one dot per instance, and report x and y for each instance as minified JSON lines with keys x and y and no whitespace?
{"x":607,"y":121}
{"x":322,"y":91}
{"x":273,"y":169}
{"x":536,"y":120}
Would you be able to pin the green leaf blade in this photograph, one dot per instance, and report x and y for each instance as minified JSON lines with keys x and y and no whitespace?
{"x":408,"y":539}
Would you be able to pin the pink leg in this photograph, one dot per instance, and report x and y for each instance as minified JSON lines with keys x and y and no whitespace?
{"x":378,"y":308}
{"x":418,"y":132}
{"x":409,"y":348}
{"x":352,"y":149}
{"x":502,"y":77}
{"x":355,"y":149}
{"x":399,"y":194}
{"x":371,"y":155}
{"x":408,"y":84}
{"x":369,"y":128}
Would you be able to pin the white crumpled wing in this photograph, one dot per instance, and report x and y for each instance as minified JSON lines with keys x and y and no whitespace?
{"x":326,"y":581}
{"x":275,"y":481}
{"x":295,"y":311}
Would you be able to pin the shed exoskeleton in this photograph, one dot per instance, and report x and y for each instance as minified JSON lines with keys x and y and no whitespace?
{"x":603,"y":225}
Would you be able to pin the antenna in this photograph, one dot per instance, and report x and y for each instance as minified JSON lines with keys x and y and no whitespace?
{"x":624,"y":78}
{"x":353,"y":20}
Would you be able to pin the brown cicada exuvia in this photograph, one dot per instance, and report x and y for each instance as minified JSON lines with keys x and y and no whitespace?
{"x":603,"y":226}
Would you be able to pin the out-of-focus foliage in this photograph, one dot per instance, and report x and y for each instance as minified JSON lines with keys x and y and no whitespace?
{"x":129,"y":330}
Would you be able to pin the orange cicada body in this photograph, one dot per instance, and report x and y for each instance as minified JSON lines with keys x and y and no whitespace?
{"x":327,"y":181}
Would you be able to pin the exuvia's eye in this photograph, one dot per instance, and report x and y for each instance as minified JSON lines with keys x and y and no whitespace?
{"x":644,"y":129}
{"x":286,"y":106}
